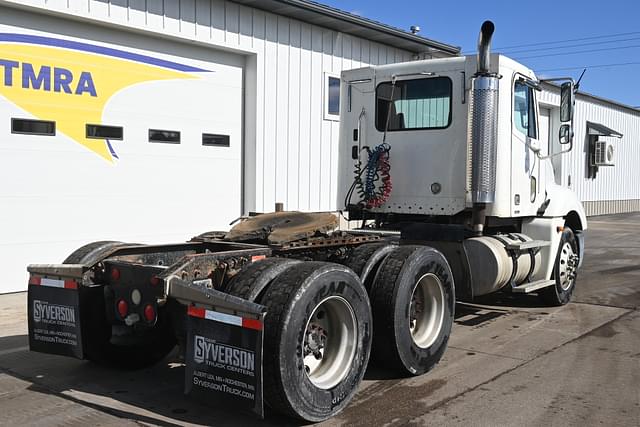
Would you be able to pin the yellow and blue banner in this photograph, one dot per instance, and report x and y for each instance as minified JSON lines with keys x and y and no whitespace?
{"x":70,"y":82}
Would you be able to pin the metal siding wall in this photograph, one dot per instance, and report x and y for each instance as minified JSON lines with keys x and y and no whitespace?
{"x":622,"y":181}
{"x":615,"y":189}
{"x":294,"y":155}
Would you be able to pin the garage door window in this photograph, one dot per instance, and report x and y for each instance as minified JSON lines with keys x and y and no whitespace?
{"x":104,"y":132}
{"x":166,"y":136}
{"x":33,"y":127}
{"x":214,"y":140}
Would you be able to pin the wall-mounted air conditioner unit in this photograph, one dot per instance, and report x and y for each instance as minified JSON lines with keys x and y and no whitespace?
{"x":604,"y":153}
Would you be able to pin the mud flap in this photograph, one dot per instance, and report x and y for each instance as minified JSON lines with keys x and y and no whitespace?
{"x":224,"y":358}
{"x":54,"y":316}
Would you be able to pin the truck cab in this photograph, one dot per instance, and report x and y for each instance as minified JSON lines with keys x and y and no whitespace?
{"x":462,"y":148}
{"x":428,"y":132}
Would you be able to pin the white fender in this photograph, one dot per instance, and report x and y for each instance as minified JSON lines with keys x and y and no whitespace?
{"x":562,"y":201}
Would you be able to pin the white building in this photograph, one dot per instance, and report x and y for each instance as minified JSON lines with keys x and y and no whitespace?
{"x":152,"y":121}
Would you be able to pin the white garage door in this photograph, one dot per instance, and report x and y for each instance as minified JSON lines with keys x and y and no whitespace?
{"x":111,"y":140}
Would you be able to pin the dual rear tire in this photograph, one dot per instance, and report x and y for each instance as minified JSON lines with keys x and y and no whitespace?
{"x":317,"y":334}
{"x":413,"y":302}
{"x":318,"y":327}
{"x":319,"y":323}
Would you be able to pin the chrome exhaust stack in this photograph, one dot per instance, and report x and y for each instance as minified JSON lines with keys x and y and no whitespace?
{"x":484,"y":130}
{"x":484,"y":47}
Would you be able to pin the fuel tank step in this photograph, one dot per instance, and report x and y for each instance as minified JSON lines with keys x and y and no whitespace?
{"x":530,"y":244}
{"x":526,"y":288}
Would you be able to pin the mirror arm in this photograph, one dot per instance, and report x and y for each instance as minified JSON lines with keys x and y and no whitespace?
{"x":557,"y":79}
{"x":550,"y":156}
{"x":535,"y":85}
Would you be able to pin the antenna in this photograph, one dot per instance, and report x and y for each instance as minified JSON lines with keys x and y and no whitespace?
{"x":580,"y":78}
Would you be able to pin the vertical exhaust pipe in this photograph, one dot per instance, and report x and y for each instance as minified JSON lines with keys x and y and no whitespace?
{"x":484,"y":130}
{"x":484,"y":47}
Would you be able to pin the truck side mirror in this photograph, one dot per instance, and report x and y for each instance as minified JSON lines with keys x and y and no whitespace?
{"x":567,"y":101}
{"x":565,"y":134}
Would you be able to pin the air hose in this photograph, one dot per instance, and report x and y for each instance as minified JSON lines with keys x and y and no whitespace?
{"x":376,"y":188}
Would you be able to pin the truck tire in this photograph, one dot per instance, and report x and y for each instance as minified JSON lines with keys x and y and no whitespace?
{"x":366,"y":259}
{"x":252,"y":281}
{"x":154,"y":344}
{"x":90,"y":253}
{"x":565,"y":271}
{"x":413,"y":303}
{"x":317,"y":339}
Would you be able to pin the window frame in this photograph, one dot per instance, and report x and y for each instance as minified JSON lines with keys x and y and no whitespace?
{"x":532,"y":110}
{"x":14,"y":119}
{"x":325,"y":99}
{"x":86,"y":132}
{"x":449,"y":119}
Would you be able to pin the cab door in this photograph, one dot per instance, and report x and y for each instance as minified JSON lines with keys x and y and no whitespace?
{"x":525,"y":164}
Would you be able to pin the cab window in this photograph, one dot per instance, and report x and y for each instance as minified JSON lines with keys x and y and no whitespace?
{"x":524,"y":111}
{"x":414,"y":104}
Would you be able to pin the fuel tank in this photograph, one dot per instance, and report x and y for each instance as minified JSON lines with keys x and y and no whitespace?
{"x":493,"y":266}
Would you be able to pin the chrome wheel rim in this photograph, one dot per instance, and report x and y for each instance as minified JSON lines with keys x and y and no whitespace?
{"x":567,"y":266}
{"x":329,"y":342}
{"x":426,"y":312}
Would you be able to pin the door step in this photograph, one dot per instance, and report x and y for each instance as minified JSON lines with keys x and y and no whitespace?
{"x":525,"y":288}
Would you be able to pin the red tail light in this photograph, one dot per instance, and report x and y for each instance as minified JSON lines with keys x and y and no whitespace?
{"x":123,"y":308}
{"x":149,"y":313}
{"x":115,"y":274}
{"x":155,"y":281}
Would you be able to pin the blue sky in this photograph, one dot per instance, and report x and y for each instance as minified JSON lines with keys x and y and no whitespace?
{"x":610,"y":30}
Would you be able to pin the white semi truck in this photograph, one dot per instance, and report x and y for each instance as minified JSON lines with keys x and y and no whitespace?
{"x":442,"y":162}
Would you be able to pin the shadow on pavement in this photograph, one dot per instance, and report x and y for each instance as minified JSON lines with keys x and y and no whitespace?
{"x":506,"y":300}
{"x":12,"y":342}
{"x":153,"y":395}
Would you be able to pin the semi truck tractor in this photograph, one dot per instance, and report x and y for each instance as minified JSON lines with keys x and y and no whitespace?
{"x":450,"y":194}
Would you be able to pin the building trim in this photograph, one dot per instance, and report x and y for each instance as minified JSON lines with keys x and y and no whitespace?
{"x":556,"y":87}
{"x":608,"y":207}
{"x":348,"y":23}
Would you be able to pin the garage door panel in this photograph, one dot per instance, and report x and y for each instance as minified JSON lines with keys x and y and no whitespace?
{"x":62,"y":191}
{"x":199,"y":107}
